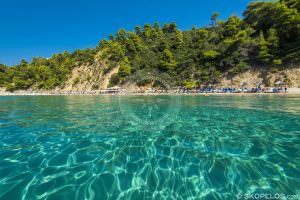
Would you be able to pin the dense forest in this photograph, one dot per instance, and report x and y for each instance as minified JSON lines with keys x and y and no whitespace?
{"x":267,"y":35}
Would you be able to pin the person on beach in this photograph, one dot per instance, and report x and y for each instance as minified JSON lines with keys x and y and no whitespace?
{"x":285,"y":89}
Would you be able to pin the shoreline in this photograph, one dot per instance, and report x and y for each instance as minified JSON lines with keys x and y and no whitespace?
{"x":130,"y":92}
{"x":145,"y":94}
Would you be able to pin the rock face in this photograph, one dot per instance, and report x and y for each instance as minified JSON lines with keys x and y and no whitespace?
{"x":291,"y":76}
{"x":89,"y":77}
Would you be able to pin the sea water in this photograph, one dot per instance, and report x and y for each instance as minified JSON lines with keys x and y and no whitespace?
{"x":149,"y":147}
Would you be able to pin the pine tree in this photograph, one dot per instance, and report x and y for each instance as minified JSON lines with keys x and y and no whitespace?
{"x":273,"y":45}
{"x":263,"y":54}
{"x":173,"y":27}
{"x":138,"y":30}
{"x":125,"y":68}
{"x":165,"y":28}
{"x":177,"y":40}
{"x":121,"y":36}
{"x":214,"y":19}
{"x":167,"y":61}
{"x":157,"y":30}
{"x":23,"y":63}
{"x":273,"y":40}
{"x":111,"y":37}
{"x":147,"y":30}
{"x":156,"y":26}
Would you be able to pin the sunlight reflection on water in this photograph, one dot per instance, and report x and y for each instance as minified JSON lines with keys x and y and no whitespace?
{"x":91,"y":147}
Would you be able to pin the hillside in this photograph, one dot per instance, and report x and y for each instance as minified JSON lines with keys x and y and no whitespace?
{"x":263,"y":46}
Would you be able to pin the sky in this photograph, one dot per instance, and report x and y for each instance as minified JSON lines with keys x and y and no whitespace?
{"x":34,"y":28}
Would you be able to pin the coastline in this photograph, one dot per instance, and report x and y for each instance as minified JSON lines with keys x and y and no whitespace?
{"x":291,"y":91}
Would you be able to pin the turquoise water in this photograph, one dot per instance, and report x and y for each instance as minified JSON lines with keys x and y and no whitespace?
{"x":149,"y":147}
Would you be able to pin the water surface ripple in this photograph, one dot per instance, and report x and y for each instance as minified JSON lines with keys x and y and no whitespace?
{"x":103,"y":147}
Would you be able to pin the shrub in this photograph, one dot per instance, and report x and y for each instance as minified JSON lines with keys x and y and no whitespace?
{"x":114,"y":80}
{"x":76,"y":81}
{"x":95,"y":87}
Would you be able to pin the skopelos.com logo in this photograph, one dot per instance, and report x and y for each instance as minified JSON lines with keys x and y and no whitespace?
{"x":158,"y":107}
{"x":267,"y":196}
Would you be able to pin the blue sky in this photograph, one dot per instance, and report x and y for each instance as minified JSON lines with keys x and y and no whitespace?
{"x":43,"y":27}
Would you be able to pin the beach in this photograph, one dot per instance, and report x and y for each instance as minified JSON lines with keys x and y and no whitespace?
{"x":290,"y":91}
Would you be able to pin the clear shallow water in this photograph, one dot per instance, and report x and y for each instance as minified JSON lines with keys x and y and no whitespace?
{"x":147,"y":147}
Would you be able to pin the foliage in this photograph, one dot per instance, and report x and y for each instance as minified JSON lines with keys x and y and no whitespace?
{"x":189,"y":84}
{"x":167,"y":61}
{"x":114,"y":80}
{"x":3,"y":69}
{"x":263,"y":54}
{"x":125,"y":69}
{"x":210,"y":54}
{"x":95,"y":87}
{"x":76,"y":81}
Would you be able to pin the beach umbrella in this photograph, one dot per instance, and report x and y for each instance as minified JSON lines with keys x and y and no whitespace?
{"x":258,"y":83}
{"x":243,"y":84}
{"x":279,"y":83}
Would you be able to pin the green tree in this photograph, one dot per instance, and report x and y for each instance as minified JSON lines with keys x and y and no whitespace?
{"x":189,"y":84}
{"x":214,"y":19}
{"x":121,"y":36}
{"x":156,"y":27}
{"x":173,"y":27}
{"x":177,"y":40}
{"x":23,"y":63}
{"x":273,"y":39}
{"x":232,"y":26}
{"x":273,"y":45}
{"x":147,"y":31}
{"x":263,"y":54}
{"x":167,"y":61}
{"x":210,"y":54}
{"x":2,"y":74}
{"x":114,"y":51}
{"x":134,"y":43}
{"x":138,"y":30}
{"x":111,"y":37}
{"x":125,"y":69}
{"x":166,"y":28}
